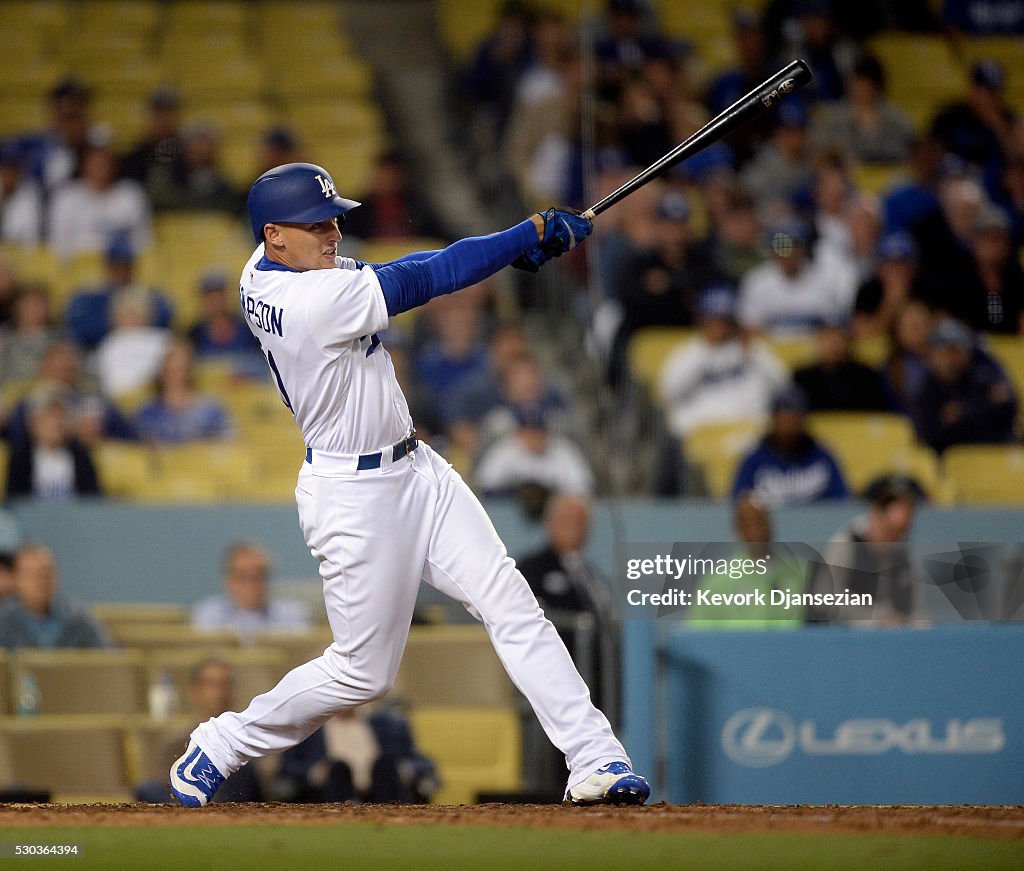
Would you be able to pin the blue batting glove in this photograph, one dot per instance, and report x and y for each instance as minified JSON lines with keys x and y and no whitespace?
{"x":564,"y":229}
{"x":532,"y":260}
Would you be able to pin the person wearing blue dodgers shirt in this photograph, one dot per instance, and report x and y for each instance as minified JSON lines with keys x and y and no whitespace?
{"x":380,"y":510}
{"x":788,"y":466}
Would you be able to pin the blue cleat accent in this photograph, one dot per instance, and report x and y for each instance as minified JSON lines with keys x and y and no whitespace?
{"x":194,"y":778}
{"x":614,"y":783}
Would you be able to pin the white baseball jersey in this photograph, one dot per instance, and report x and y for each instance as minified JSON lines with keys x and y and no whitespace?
{"x":319,"y":331}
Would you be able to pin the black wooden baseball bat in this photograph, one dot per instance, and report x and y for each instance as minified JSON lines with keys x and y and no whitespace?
{"x":764,"y":97}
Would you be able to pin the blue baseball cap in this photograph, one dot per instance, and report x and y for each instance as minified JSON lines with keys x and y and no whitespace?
{"x":898,"y":245}
{"x":717,"y":302}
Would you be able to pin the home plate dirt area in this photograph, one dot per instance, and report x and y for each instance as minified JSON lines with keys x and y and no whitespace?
{"x":974,"y":821}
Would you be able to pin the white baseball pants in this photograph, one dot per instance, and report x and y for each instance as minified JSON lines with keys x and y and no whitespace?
{"x":377,"y":533}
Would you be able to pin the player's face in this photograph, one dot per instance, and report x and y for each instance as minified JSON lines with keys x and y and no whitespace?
{"x":304,"y":246}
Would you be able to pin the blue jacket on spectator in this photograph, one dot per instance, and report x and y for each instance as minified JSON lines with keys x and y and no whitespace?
{"x":809,"y":474}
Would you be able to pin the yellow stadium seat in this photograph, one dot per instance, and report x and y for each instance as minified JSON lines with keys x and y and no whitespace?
{"x":871,"y":350}
{"x":453,"y":665}
{"x":339,"y":75}
{"x":22,"y":112}
{"x":794,"y":351}
{"x":877,"y":179}
{"x":296,"y":647}
{"x":33,"y":264}
{"x":695,"y":22}
{"x":919,"y":67}
{"x":986,"y":474}
{"x":718,"y":448}
{"x":464,"y":26}
{"x":649,"y":348}
{"x":125,"y":470}
{"x":83,"y":681}
{"x":256,"y":670}
{"x":1009,"y":351}
{"x":476,"y":750}
{"x":137,"y":613}
{"x":206,"y":15}
{"x":148,"y":637}
{"x":75,"y":758}
{"x":125,"y":16}
{"x":205,"y":472}
{"x":865,"y":444}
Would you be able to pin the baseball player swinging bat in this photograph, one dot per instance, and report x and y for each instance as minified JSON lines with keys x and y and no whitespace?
{"x":764,"y":97}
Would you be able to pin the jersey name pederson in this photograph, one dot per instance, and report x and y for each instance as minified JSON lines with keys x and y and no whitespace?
{"x":268,"y":318}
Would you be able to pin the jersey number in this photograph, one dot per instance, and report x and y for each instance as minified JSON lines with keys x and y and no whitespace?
{"x":277,"y":378}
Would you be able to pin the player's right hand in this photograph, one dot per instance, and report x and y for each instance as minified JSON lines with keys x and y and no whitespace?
{"x":532,"y":260}
{"x":564,"y":229}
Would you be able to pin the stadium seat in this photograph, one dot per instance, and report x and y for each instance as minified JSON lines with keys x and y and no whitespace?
{"x":986,"y":474}
{"x":464,"y":26}
{"x":920,"y":68}
{"x":75,"y":758}
{"x":452,"y":665}
{"x":649,"y":348}
{"x":476,"y":749}
{"x":125,"y":469}
{"x":695,"y":22}
{"x":147,"y":637}
{"x":125,"y":16}
{"x":865,"y":444}
{"x":198,"y":16}
{"x":83,"y":681}
{"x":116,"y":614}
{"x":1009,"y":351}
{"x":717,"y":449}
{"x":256,"y":670}
{"x":295,"y":647}
{"x":148,"y":743}
{"x":876,"y":178}
{"x":871,"y":350}
{"x":794,"y":351}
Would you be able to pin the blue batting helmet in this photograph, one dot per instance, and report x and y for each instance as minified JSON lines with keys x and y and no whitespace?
{"x":300,"y":193}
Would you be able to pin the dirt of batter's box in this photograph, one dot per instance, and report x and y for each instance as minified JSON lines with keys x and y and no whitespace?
{"x":1003,"y":821}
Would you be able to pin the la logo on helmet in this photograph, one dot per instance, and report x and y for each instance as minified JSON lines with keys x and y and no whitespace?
{"x":327,"y":186}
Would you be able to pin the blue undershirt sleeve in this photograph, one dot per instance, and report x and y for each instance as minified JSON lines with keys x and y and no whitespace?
{"x":410,"y":282}
{"x":415,"y":255}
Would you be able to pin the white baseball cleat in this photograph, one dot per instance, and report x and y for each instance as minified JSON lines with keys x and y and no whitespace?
{"x":615,"y":783}
{"x":194,"y":778}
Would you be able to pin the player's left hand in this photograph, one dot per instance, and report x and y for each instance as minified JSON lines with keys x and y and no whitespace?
{"x":564,"y":229}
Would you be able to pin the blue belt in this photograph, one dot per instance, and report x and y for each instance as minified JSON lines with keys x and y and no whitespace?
{"x":373,"y":461}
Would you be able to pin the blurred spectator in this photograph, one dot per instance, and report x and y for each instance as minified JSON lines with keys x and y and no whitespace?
{"x":967,"y":397}
{"x":570,"y":590}
{"x":130,"y":355}
{"x":21,"y":199}
{"x":92,"y":416}
{"x":791,"y":293}
{"x":753,"y":68}
{"x":835,"y":381}
{"x":86,"y":215}
{"x":544,"y":76}
{"x":914,"y":200}
{"x":831,"y":192}
{"x":246,"y":606}
{"x":782,"y":166}
{"x":357,"y":756}
{"x":220,"y":332}
{"x":1005,"y":187}
{"x":948,"y":236}
{"x":984,"y":17}
{"x":89,"y":310}
{"x":978,"y":129}
{"x":627,"y":45}
{"x":905,"y":370}
{"x":894,"y":283}
{"x":658,"y":286}
{"x":6,"y":576}
{"x":789,"y":467}
{"x":865,"y":124}
{"x":24,"y":342}
{"x":177,"y":413}
{"x":390,"y":209}
{"x":211,"y":685}
{"x":277,"y":147}
{"x":718,"y":375}
{"x":457,"y":357}
{"x":752,"y":525}
{"x":869,"y":556}
{"x":38,"y":615}
{"x":9,"y":286}
{"x":811,"y":33}
{"x":532,"y":455}
{"x":196,"y":182}
{"x":51,"y":464}
{"x":734,"y":245}
{"x":157,"y":156}
{"x":53,"y":156}
{"x":994,"y":301}
{"x":494,"y":73}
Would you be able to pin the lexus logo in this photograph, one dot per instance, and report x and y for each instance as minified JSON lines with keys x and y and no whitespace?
{"x":758,"y":737}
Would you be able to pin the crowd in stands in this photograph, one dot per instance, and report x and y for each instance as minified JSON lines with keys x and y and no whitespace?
{"x":845,"y":216}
